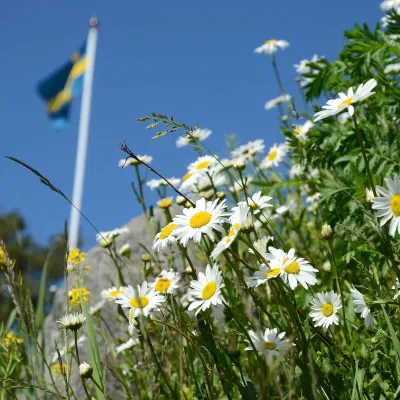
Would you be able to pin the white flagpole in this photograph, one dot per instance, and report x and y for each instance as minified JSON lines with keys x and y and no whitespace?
{"x":83,"y":135}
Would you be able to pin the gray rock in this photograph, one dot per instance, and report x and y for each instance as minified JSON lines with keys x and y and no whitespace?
{"x":101,"y":276}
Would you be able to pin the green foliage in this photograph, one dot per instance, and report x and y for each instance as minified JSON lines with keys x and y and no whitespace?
{"x":333,"y":167}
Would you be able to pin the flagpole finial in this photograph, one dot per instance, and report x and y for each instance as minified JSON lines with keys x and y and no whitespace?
{"x":93,"y":22}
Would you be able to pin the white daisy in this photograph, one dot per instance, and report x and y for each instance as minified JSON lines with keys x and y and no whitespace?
{"x":271,"y":342}
{"x":294,"y":270}
{"x":261,"y":244}
{"x":156,"y":183}
{"x":206,"y":291}
{"x":271,"y":46}
{"x":201,"y":219}
{"x":203,"y":164}
{"x":165,"y":238}
{"x":108,"y":237}
{"x":196,"y":135}
{"x":127,"y":345}
{"x":112,"y":293}
{"x":344,"y":101}
{"x":301,"y":130}
{"x":144,"y":301}
{"x":303,"y":66}
{"x":284,"y":98}
{"x":249,"y":150}
{"x":258,"y":201}
{"x":388,"y":5}
{"x":275,"y":155}
{"x":166,"y":282}
{"x":72,"y":321}
{"x":392,"y":68}
{"x":361,"y":308}
{"x":265,"y":273}
{"x":388,"y":205}
{"x":238,"y":219}
{"x":132,"y":161}
{"x":325,"y":308}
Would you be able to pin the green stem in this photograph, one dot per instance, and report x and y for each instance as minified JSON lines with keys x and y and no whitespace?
{"x":339,"y":286}
{"x":79,"y":363}
{"x":164,"y":375}
{"x":360,"y":141}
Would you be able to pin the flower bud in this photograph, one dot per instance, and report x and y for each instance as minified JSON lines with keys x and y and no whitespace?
{"x":239,"y":165}
{"x":188,"y":205}
{"x":326,"y":231}
{"x":221,"y":195}
{"x":284,"y":118}
{"x":180,"y":200}
{"x":165,"y":203}
{"x":105,"y":243}
{"x":189,"y":270}
{"x":145,"y":258}
{"x":85,"y":370}
{"x":369,"y":195}
{"x":125,"y":250}
{"x":208,"y":195}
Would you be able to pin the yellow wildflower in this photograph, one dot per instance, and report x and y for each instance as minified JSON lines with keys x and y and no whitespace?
{"x":11,"y":338}
{"x":57,"y":368}
{"x":76,"y":293}
{"x":2,"y":258}
{"x":75,"y":257}
{"x":165,"y":203}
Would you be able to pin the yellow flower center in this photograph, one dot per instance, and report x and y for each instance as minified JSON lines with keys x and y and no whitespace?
{"x":202,"y":165}
{"x":139,"y":304}
{"x":165,"y":203}
{"x":327,"y":309}
{"x":187,"y":176}
{"x":395,"y":204}
{"x":269,"y":345}
{"x":297,"y":130}
{"x":165,"y":232}
{"x":272,"y":41}
{"x":232,"y":230}
{"x":253,"y":205}
{"x":272,"y":155}
{"x":345,"y":103}
{"x":273,"y":272}
{"x":200,"y":219}
{"x":293,"y":268}
{"x":209,"y":290}
{"x":162,"y":285}
{"x":115,"y":293}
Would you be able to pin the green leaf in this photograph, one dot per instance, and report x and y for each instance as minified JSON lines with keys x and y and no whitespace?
{"x":94,"y":353}
{"x":395,"y":339}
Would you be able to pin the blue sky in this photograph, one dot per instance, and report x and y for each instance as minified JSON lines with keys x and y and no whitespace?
{"x":193,"y":60}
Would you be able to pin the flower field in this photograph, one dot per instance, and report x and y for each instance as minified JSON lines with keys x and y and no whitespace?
{"x":287,"y":283}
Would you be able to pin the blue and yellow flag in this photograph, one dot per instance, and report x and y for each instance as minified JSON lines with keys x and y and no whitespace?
{"x":60,"y":87}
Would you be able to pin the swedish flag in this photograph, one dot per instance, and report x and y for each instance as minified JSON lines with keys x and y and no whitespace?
{"x":59,"y":88}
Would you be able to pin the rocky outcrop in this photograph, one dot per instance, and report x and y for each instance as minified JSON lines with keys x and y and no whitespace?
{"x":102,"y":275}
